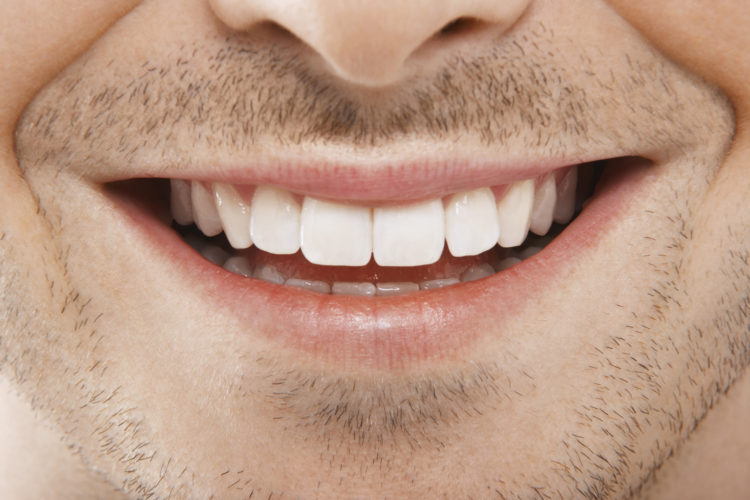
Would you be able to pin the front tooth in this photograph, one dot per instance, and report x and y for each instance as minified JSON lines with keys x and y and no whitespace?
{"x":566,"y":197}
{"x":334,"y":234}
{"x":545,"y":198}
{"x":234,"y":213}
{"x":274,"y":220}
{"x":514,"y":213}
{"x":182,"y":206}
{"x":204,"y":210}
{"x":409,"y":235}
{"x":471,"y":224}
{"x":391,"y":289}
{"x":348,"y":288}
{"x":438,"y":283}
{"x":312,"y":285}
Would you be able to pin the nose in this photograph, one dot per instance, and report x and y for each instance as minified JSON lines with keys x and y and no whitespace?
{"x":371,"y":42}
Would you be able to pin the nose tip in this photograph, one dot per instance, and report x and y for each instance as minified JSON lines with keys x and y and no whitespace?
{"x":369,"y":42}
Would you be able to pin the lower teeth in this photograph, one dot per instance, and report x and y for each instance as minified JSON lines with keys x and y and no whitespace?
{"x":217,"y":251}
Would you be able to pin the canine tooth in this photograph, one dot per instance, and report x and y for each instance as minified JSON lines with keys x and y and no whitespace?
{"x":346,"y":288}
{"x":390,"y":289}
{"x":507,"y":263}
{"x":514,"y":213}
{"x":566,"y":197}
{"x":274,"y":220}
{"x":545,"y":198}
{"x":180,"y":202}
{"x":334,"y":234}
{"x":238,"y":265}
{"x":204,"y":210}
{"x":477,"y":272}
{"x":439,"y":283}
{"x":409,"y":235}
{"x":269,"y":273}
{"x":215,"y":254}
{"x":471,"y":224}
{"x":234,"y":213}
{"x":312,"y":285}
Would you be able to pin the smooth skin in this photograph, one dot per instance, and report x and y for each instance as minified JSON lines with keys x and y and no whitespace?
{"x":49,"y":449}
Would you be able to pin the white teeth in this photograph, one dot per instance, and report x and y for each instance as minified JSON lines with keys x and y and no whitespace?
{"x":234,"y":213}
{"x":566,"y":197}
{"x":275,"y":220}
{"x":344,"y":288}
{"x":204,"y":210}
{"x":390,"y":289}
{"x":439,"y":283}
{"x":180,"y":202}
{"x":312,"y":285}
{"x":471,"y":224}
{"x":409,"y":235}
{"x":545,"y":198}
{"x":347,"y":234}
{"x":477,"y":272}
{"x":335,"y":234}
{"x":514,"y":213}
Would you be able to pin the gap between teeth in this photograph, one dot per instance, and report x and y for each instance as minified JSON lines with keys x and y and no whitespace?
{"x":344,"y":234}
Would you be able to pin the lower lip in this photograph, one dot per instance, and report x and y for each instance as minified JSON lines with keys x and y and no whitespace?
{"x":392,"y":333}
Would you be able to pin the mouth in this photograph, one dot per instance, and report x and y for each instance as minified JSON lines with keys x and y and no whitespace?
{"x":382,"y":282}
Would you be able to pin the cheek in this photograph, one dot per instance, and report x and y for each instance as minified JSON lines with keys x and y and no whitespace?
{"x":709,"y":37}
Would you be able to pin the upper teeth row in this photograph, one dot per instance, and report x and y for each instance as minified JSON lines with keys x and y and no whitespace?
{"x":343,"y":234}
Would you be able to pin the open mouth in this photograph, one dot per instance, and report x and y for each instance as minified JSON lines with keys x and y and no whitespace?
{"x":349,"y":248}
{"x":379,"y":283}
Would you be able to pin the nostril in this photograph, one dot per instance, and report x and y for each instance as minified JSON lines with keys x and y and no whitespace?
{"x":459,"y":25}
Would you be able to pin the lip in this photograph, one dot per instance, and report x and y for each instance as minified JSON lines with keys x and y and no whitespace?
{"x":392,"y":333}
{"x":363,"y":179}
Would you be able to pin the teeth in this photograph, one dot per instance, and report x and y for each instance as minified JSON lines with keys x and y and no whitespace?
{"x":335,"y":234}
{"x":346,"y":234}
{"x":234,"y":213}
{"x":215,"y":254}
{"x":269,"y":273}
{"x":344,"y":288}
{"x":275,"y":220}
{"x":312,"y":285}
{"x":204,"y":210}
{"x":180,"y":202}
{"x":514,"y":213}
{"x":409,"y":235}
{"x":471,"y":224}
{"x":440,"y":283}
{"x":477,"y":272}
{"x":238,"y":265}
{"x":544,"y":206}
{"x":566,"y":197}
{"x":390,"y":289}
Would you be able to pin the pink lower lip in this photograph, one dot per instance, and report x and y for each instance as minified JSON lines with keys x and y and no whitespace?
{"x":395,"y":332}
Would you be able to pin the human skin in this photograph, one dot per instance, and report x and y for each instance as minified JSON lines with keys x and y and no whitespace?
{"x":624,"y":376}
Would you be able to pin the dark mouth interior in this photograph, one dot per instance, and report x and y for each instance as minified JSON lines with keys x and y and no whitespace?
{"x":154,"y":194}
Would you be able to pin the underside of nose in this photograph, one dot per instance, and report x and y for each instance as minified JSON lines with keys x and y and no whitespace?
{"x":371,"y":42}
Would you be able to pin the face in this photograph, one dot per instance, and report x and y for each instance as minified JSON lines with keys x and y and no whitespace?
{"x":284,"y":248}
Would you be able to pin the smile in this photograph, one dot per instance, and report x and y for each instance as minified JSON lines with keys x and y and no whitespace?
{"x":461,"y":237}
{"x":379,"y":283}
